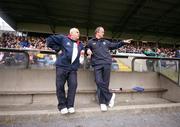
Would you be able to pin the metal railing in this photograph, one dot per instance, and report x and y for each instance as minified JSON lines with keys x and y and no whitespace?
{"x":133,"y":61}
{"x":12,"y":52}
{"x":168,"y":67}
{"x":151,"y":58}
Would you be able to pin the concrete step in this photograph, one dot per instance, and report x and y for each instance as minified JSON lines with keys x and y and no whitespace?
{"x":79,"y":105}
{"x":82,"y":96}
{"x":157,"y":115}
{"x":138,"y":112}
{"x":120,"y":90}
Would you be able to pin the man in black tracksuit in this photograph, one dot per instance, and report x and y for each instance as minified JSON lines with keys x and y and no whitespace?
{"x":66,"y":67}
{"x":98,"y":50}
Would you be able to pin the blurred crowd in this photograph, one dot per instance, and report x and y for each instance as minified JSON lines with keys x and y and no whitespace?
{"x":10,"y":40}
{"x":152,"y":50}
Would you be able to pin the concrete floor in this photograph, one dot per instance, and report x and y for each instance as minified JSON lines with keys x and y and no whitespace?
{"x":168,"y":116}
{"x":154,"y":112}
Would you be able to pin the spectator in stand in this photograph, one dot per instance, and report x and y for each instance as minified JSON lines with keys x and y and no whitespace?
{"x":150,"y":62}
{"x":24,"y":43}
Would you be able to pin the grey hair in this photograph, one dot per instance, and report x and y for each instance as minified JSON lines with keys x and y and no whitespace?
{"x":98,"y":29}
{"x":73,"y":29}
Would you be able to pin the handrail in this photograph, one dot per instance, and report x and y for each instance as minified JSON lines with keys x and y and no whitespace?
{"x":151,"y":58}
{"x":17,"y":51}
{"x":25,"y":51}
{"x":120,"y":56}
{"x":113,"y":55}
{"x":156,"y":58}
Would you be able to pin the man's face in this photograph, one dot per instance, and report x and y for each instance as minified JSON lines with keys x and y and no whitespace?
{"x":100,"y":33}
{"x":75,"y":34}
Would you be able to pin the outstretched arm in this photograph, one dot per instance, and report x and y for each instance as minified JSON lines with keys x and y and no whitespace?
{"x":117,"y":45}
{"x":55,"y":42}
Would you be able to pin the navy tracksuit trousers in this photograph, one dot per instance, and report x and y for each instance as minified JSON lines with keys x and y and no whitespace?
{"x":62,"y":76}
{"x":102,"y":78}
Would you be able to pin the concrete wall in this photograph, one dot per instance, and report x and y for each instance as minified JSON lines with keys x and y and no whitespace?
{"x":44,"y":80}
{"x":40,"y":81}
{"x":173,"y":93}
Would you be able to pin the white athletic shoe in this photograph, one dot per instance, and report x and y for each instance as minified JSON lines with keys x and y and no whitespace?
{"x":64,"y":111}
{"x":71,"y":110}
{"x":111,"y":102}
{"x":103,"y":107}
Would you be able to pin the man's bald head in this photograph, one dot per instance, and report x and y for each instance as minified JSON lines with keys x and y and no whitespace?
{"x":74,"y":33}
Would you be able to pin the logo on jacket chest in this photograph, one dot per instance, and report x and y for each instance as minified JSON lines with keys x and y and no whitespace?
{"x":68,"y":44}
{"x":94,"y":43}
{"x":104,"y":43}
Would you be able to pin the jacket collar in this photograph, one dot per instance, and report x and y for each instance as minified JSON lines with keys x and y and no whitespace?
{"x":77,"y":42}
{"x":95,"y":39}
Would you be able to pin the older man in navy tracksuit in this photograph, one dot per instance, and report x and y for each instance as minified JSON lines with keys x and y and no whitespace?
{"x":98,"y":50}
{"x":66,"y":67}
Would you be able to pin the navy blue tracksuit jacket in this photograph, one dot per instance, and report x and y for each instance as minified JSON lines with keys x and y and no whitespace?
{"x":64,"y":43}
{"x":100,"y":49}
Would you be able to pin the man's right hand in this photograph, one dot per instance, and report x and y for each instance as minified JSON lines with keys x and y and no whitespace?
{"x":89,"y":53}
{"x":127,"y":41}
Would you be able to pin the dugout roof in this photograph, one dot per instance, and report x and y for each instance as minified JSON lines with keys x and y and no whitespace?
{"x":139,"y":19}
